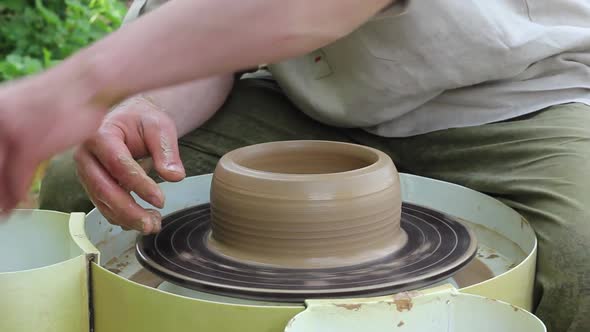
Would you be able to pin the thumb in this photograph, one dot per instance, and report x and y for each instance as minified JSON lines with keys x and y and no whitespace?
{"x":161,"y":141}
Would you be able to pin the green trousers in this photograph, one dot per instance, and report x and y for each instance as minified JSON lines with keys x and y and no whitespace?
{"x":537,"y":164}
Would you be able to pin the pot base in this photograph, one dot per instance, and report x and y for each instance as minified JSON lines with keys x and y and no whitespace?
{"x":437,"y":247}
{"x":266,"y":257}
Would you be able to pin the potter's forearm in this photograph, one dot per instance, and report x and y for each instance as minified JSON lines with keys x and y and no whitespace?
{"x":184,"y":40}
{"x":191,"y":104}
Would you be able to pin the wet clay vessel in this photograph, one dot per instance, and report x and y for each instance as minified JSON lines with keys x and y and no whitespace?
{"x":306,"y":204}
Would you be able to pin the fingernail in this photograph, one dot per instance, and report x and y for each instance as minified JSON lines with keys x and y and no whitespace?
{"x":175,"y":168}
{"x":156,"y":200}
{"x":146,"y":225}
{"x":156,"y":223}
{"x":155,"y":220}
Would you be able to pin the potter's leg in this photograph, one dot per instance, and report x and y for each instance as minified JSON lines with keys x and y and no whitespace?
{"x":61,"y":190}
{"x":540,"y":165}
{"x":256,"y":111}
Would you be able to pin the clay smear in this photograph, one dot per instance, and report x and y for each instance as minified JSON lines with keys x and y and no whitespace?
{"x":306,"y":205}
{"x":475,"y":272}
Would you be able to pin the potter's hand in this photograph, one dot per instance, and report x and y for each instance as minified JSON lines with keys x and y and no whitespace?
{"x":38,"y":119}
{"x":108,"y":169}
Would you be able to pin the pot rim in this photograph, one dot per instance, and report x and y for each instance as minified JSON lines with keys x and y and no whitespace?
{"x":230,"y":162}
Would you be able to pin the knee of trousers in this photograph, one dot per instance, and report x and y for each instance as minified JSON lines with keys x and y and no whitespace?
{"x":61,"y":189}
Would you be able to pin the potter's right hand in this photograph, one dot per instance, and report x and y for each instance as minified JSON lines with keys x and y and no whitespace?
{"x":108,"y":169}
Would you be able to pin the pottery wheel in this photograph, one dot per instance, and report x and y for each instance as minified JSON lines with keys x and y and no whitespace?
{"x":437,"y":247}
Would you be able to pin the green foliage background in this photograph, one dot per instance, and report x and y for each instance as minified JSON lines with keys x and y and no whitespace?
{"x":36,"y":34}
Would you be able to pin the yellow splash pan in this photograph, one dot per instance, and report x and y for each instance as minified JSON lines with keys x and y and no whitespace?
{"x":44,"y":272}
{"x":508,"y":249}
{"x":70,"y":273}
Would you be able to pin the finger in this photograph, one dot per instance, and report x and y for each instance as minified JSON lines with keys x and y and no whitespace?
{"x":116,"y":158}
{"x":157,"y":218}
{"x":112,"y":218}
{"x":118,"y":204}
{"x":161,"y":141}
{"x":19,"y":177}
{"x":146,"y":163}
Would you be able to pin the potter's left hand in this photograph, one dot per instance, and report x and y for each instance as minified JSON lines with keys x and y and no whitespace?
{"x":107,"y":167}
{"x":38,"y":120}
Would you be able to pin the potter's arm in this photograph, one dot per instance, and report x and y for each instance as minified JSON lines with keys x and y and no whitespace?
{"x":184,"y":40}
{"x":190,"y":104}
{"x":181,"y":41}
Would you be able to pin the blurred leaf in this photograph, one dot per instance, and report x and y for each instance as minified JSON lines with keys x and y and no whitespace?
{"x":47,"y":14}
{"x":35,"y":35}
{"x":15,"y":5}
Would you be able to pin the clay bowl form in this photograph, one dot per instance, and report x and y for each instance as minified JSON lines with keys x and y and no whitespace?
{"x":306,"y":204}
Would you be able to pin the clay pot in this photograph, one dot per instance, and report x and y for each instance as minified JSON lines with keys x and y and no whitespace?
{"x":306,"y":204}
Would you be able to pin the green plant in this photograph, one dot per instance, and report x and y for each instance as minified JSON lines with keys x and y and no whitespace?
{"x":36,"y":34}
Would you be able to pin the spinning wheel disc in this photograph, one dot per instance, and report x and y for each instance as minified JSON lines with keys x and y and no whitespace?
{"x":437,"y":247}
